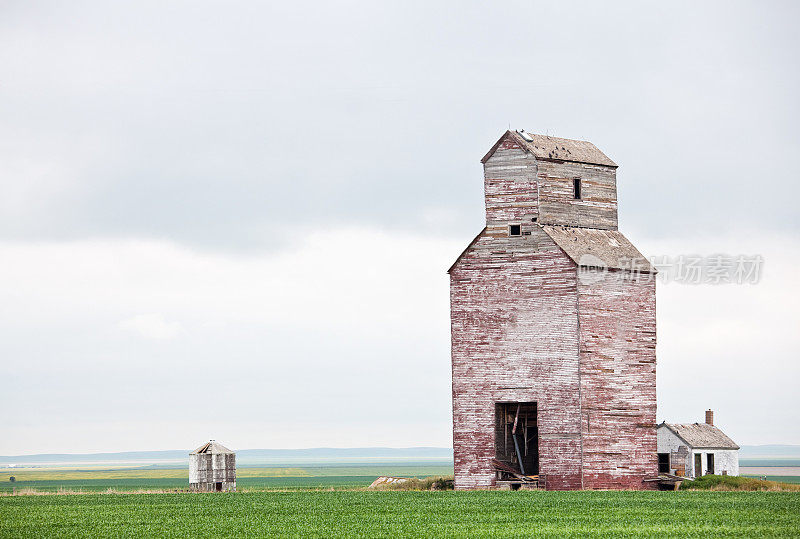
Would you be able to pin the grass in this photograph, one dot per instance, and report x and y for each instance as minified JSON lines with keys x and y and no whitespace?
{"x":98,"y":480}
{"x":140,"y":473}
{"x":437,"y":482}
{"x":391,"y":514}
{"x":727,"y":482}
{"x":134,"y":485}
{"x":779,"y":478}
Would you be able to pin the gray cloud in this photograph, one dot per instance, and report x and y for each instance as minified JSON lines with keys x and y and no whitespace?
{"x":281,"y":186}
{"x":222,"y":125}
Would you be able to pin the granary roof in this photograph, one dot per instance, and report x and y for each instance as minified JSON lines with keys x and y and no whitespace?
{"x":701,"y":435}
{"x":561,"y":149}
{"x":591,"y":247}
{"x":466,"y":249}
{"x":212,"y":447}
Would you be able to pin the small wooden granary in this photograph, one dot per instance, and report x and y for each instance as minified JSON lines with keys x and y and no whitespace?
{"x":212,"y":468}
{"x":553,"y":328}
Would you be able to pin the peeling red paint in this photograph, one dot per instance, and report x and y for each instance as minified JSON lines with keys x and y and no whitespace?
{"x":527,"y":328}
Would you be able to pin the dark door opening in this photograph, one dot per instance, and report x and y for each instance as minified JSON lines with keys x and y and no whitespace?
{"x":698,"y":465}
{"x":218,"y":487}
{"x":710,"y":463}
{"x":517,"y":437}
{"x":663,"y":463}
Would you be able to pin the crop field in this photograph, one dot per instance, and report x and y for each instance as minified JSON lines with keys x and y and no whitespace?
{"x":388,"y":514}
{"x":132,"y":479}
{"x":785,"y":462}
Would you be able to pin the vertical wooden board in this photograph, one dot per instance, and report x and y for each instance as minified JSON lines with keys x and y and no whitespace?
{"x":616,"y":311}
{"x":523,"y":330}
{"x":514,"y":339}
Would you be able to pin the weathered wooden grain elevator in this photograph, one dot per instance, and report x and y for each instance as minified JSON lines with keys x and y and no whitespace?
{"x":212,"y":468}
{"x":553,"y":328}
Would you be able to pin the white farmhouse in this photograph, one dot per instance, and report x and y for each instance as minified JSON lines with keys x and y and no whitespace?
{"x":695,"y":449}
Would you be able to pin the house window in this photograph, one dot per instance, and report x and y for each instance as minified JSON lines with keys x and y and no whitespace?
{"x":710,"y":463}
{"x":576,"y":188}
{"x":514,"y":230}
{"x":663,"y":463}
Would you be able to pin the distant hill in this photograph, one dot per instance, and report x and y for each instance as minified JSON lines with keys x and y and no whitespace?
{"x":769,"y":451}
{"x":311,"y":456}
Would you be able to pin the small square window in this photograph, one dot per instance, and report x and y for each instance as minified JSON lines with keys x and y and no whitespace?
{"x":514,"y":230}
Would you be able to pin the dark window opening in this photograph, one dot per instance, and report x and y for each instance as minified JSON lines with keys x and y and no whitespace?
{"x":663,"y":463}
{"x":710,"y":463}
{"x":698,"y":465}
{"x":514,"y":230}
{"x":534,"y":219}
{"x":516,"y":438}
{"x":576,"y":188}
{"x":219,"y":487}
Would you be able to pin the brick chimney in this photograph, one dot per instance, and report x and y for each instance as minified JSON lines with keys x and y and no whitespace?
{"x":710,"y":417}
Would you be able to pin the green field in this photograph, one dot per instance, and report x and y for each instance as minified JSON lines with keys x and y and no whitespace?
{"x":132,"y":479}
{"x":769,"y":462}
{"x":390,"y":514}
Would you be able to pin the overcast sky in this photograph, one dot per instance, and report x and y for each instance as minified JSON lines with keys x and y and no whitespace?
{"x":233,"y":220}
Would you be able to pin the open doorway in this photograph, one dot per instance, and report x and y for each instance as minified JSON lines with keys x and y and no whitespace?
{"x":218,"y":487}
{"x":516,"y":439}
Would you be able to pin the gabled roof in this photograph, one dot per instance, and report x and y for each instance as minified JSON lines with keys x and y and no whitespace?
{"x":211,"y":447}
{"x":560,"y":149}
{"x":589,"y":247}
{"x":467,"y":248}
{"x":701,"y":435}
{"x":592,"y":247}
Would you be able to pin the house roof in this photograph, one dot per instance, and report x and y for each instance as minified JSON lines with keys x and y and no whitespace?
{"x":591,"y":247}
{"x":211,"y":447}
{"x":560,"y":149}
{"x":701,"y":435}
